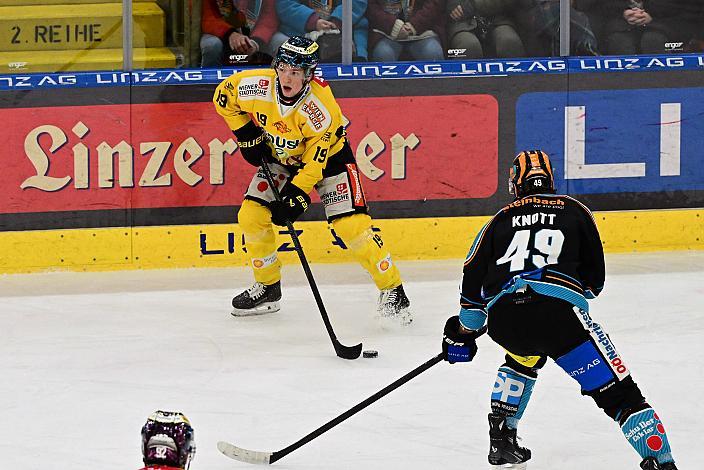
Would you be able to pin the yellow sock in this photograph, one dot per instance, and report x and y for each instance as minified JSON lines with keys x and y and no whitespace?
{"x":368,"y":249}
{"x":255,"y":221}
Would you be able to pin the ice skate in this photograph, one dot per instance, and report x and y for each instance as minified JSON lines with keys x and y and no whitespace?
{"x":504,"y":451}
{"x":394,"y":305}
{"x":652,"y":464}
{"x":257,"y":300}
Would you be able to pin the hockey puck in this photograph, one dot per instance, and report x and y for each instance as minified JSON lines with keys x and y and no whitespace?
{"x":370,"y":353}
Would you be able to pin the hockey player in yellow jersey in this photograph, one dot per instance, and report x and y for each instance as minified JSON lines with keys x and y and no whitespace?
{"x":290,"y":118}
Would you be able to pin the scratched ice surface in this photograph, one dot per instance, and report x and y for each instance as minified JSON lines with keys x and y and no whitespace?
{"x":85,"y":357}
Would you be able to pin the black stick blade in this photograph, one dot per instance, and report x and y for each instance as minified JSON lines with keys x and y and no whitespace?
{"x":347,"y":352}
{"x":244,"y":455}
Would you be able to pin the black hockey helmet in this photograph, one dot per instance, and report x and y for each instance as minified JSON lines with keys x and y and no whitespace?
{"x":167,"y":439}
{"x":299,"y":52}
{"x":531,"y":173}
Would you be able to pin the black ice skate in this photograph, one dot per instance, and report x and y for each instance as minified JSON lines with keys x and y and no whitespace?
{"x":504,"y":451}
{"x":257,"y":300}
{"x":652,"y":464}
{"x":394,"y":305}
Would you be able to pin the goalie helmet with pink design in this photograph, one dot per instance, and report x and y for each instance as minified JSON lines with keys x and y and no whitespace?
{"x":168,"y":440}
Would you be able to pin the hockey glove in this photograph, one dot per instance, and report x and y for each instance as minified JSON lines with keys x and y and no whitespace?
{"x":459,"y":344}
{"x":254,"y":143}
{"x":293,"y":203}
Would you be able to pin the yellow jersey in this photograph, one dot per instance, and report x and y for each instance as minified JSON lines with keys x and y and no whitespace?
{"x":305,"y":134}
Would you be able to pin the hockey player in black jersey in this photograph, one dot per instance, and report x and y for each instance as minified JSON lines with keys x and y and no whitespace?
{"x":528,"y":276}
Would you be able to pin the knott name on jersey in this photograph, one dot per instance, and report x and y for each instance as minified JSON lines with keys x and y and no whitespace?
{"x":531,"y":219}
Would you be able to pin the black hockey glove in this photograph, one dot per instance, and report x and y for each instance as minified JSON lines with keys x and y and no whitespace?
{"x":254,"y":143}
{"x":459,"y":346}
{"x":293,"y":203}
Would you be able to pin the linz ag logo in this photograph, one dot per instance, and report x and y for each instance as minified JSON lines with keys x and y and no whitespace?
{"x":456,"y":52}
{"x":314,"y":113}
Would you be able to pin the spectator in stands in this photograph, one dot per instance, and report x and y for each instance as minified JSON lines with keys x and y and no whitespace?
{"x":237,"y":31}
{"x":650,"y":26}
{"x":696,"y":44}
{"x":539,"y":25}
{"x":463,"y":30}
{"x":322,"y":22}
{"x":482,"y":28}
{"x":597,"y":14}
{"x":411,"y":29}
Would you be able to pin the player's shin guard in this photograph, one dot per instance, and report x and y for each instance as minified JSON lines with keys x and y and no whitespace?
{"x":512,"y":391}
{"x":646,"y":434}
{"x":255,"y":221}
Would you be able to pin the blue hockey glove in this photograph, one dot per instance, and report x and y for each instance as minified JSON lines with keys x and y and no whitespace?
{"x":459,"y":345}
{"x":293,"y":203}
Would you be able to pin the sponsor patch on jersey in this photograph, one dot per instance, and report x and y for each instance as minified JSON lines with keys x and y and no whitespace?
{"x":251,"y":89}
{"x":263,"y":83}
{"x":384,"y":264}
{"x":603,"y":342}
{"x":283,"y":143}
{"x":340,"y":194}
{"x":357,"y":193}
{"x":586,"y":366}
{"x":537,"y":201}
{"x":315,"y":114}
{"x":261,"y":263}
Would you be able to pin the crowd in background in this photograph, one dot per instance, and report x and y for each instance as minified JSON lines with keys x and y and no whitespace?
{"x":250,"y":31}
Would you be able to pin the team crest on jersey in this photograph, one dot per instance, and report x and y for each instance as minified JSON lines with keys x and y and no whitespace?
{"x":230,"y":88}
{"x":281,"y":127}
{"x":315,"y":114}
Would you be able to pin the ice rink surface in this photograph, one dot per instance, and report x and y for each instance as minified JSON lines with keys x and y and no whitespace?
{"x":86,"y":357}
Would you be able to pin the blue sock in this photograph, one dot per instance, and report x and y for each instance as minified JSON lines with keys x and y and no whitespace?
{"x":645,"y":432}
{"x":512,"y":391}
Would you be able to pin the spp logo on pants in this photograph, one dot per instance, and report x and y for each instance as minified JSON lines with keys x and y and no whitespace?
{"x":507,"y":389}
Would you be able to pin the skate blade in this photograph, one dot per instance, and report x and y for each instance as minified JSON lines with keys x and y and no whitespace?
{"x":266,"y":307}
{"x":509,"y":466}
